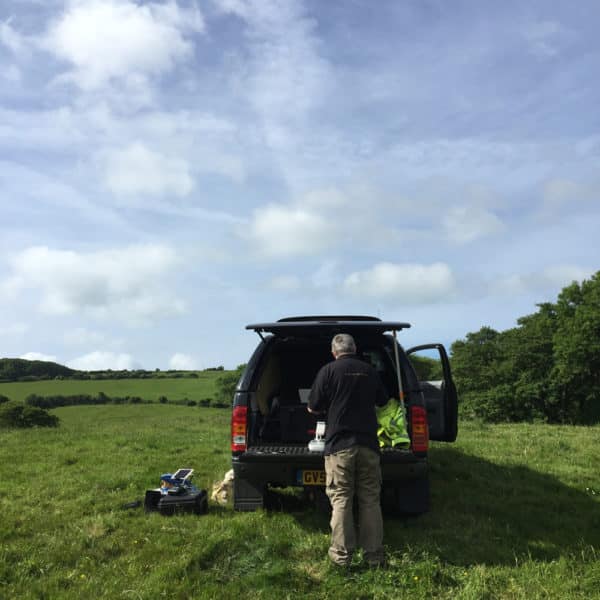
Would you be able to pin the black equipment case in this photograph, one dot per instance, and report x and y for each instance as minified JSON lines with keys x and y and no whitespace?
{"x":168,"y":504}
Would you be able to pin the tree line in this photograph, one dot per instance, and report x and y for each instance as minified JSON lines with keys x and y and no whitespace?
{"x":20,"y":369}
{"x":59,"y":400}
{"x":546,"y":368}
{"x":33,"y":412}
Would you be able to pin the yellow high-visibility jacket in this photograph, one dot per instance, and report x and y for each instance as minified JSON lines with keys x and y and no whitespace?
{"x":392,"y":430}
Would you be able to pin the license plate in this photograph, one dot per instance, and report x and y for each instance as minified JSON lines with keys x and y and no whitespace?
{"x":316,"y":477}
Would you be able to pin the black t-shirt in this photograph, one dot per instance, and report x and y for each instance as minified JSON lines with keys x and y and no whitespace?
{"x":348,"y":389}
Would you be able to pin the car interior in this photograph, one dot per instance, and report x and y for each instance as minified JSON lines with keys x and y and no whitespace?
{"x":280,"y":412}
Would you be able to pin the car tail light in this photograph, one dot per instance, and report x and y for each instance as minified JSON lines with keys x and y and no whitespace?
{"x":239,"y":420}
{"x":420,"y":429}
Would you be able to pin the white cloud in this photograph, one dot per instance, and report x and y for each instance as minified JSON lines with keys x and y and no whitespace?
{"x":208,"y":141}
{"x":38,"y":356}
{"x":549,"y":279}
{"x":148,"y":152}
{"x":124,"y":284}
{"x":403,"y":283}
{"x":566,"y":195}
{"x":108,"y":40}
{"x":138,"y":170}
{"x":12,"y":39}
{"x":284,"y":230}
{"x":562,"y":275}
{"x":325,"y":219}
{"x":464,"y":224}
{"x":183,"y":362}
{"x":240,"y":8}
{"x":286,"y":77}
{"x":99,"y":361}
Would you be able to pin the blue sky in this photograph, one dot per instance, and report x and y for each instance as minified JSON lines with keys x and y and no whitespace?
{"x":171,"y":171}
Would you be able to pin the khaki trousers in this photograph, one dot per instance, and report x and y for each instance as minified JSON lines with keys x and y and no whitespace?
{"x":350,"y":472}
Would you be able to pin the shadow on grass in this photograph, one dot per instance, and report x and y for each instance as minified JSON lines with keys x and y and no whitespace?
{"x":310,"y":507}
{"x":497,"y":514}
{"x":482,"y":513}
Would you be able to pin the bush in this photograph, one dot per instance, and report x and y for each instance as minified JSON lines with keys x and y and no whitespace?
{"x":227,"y":384}
{"x":102,"y":398}
{"x":4,"y":399}
{"x":35,"y":400}
{"x":163,"y":399}
{"x":17,"y":414}
{"x":505,"y":403}
{"x":11,"y":414}
{"x":34,"y":416}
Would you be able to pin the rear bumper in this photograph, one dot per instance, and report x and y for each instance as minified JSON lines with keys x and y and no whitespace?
{"x":279,"y":465}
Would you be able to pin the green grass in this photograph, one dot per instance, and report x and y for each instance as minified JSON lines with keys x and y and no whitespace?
{"x":148,"y":389}
{"x":515,"y":514}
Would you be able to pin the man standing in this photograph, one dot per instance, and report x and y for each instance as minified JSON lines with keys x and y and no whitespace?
{"x":347,"y":390}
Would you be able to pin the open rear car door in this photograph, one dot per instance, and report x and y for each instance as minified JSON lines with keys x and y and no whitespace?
{"x":440,"y":396}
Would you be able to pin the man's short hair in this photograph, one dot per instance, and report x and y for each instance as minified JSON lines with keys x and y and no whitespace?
{"x":343,"y":343}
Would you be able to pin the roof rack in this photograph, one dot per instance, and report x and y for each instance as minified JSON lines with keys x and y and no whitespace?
{"x":327,"y":319}
{"x":326,"y":326}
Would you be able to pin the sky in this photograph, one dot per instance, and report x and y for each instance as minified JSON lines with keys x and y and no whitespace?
{"x":172,"y":171}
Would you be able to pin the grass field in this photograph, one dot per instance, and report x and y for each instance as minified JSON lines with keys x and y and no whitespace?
{"x":148,"y":389}
{"x":515,"y":514}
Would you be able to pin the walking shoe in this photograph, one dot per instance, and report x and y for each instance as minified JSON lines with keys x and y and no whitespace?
{"x":375,"y":559}
{"x":340,"y":558}
{"x":380,"y":563}
{"x":377,"y":564}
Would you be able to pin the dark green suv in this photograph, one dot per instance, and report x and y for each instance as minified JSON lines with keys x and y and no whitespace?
{"x":271,"y":427}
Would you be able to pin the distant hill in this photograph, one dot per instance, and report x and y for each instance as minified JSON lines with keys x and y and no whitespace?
{"x":19,"y":369}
